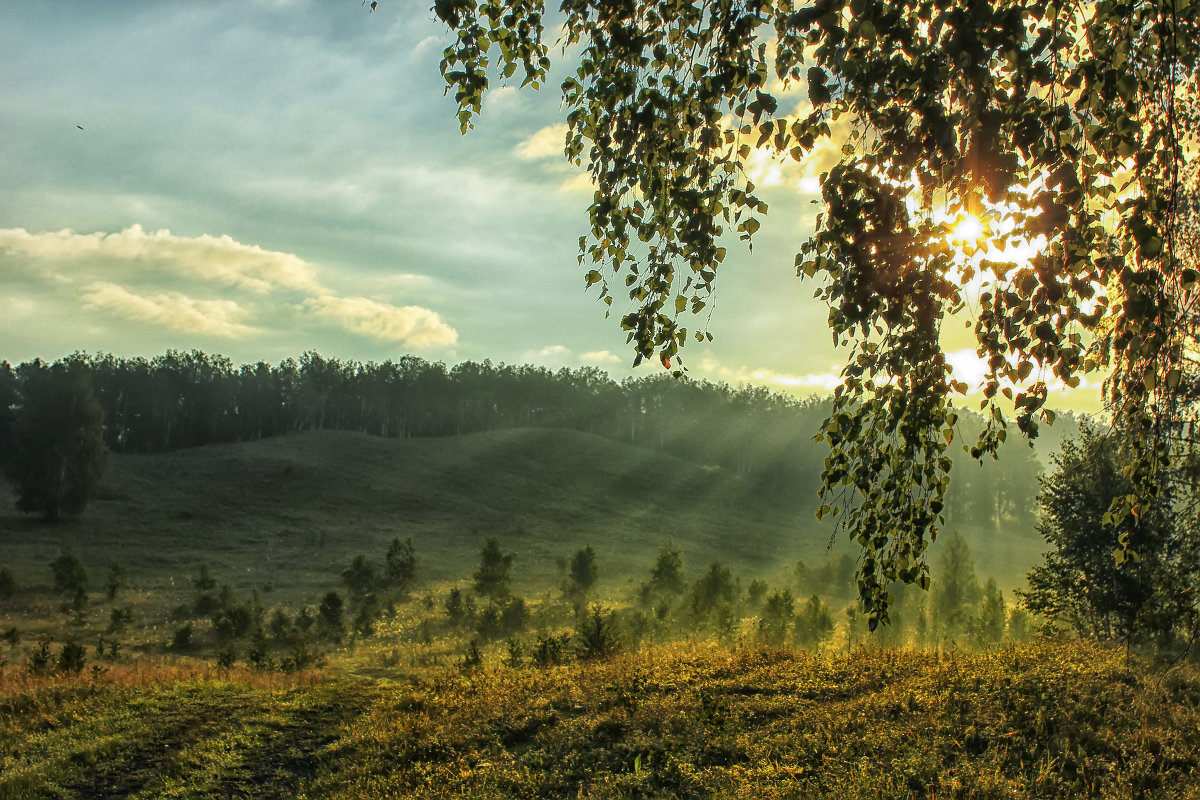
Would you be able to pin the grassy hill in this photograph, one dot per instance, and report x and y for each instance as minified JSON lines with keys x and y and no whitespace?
{"x":287,"y":513}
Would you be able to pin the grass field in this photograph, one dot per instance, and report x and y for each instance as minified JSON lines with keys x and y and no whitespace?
{"x":402,"y":711}
{"x":286,"y":514}
{"x":1038,"y":721}
{"x":289,"y":512}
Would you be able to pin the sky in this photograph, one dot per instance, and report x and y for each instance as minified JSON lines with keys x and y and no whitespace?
{"x":263,"y":177}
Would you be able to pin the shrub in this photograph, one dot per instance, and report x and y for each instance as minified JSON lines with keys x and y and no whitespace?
{"x":596,"y":635}
{"x":488,"y":625}
{"x":472,"y":658}
{"x":204,"y":581}
{"x":360,"y":577}
{"x":38,"y":662}
{"x":368,"y":614}
{"x":226,"y":657}
{"x":281,"y":624}
{"x":302,"y":656}
{"x":551,"y":650}
{"x":515,"y":616}
{"x":72,"y":658}
{"x":119,"y":619}
{"x":182,"y":640}
{"x":330,"y":613}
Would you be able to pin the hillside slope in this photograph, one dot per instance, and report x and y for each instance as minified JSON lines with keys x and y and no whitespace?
{"x":289,"y":512}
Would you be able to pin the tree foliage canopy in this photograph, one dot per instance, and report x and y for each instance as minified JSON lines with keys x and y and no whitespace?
{"x":58,"y":453}
{"x":1147,"y":599}
{"x":1064,"y":126}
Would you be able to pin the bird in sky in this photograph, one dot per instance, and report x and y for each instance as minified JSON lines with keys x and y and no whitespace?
{"x":79,"y":126}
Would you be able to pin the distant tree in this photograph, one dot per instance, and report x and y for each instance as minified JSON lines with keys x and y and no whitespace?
{"x":1019,"y":625}
{"x":514,"y":616}
{"x":330,"y":612}
{"x":955,"y":595}
{"x":360,"y":577}
{"x":713,"y":596}
{"x":206,"y":602}
{"x":596,"y":636}
{"x":58,"y":450}
{"x":455,"y":608}
{"x":114,"y":581}
{"x":8,"y":584}
{"x":400,"y":567}
{"x":70,"y":575}
{"x":487,"y":624}
{"x":492,"y":580}
{"x":814,"y":624}
{"x":280,"y":625}
{"x":182,"y":638}
{"x":756,"y":593}
{"x":1080,"y":583}
{"x":993,"y":616}
{"x":777,"y":617}
{"x":72,"y":658}
{"x":369,"y":612}
{"x":581,"y":575}
{"x":10,"y":399}
{"x":204,"y":581}
{"x":666,"y":581}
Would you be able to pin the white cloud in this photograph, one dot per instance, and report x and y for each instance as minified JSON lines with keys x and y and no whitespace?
{"x":218,"y":259}
{"x":599,"y":357}
{"x":806,"y":384}
{"x":170,"y":310}
{"x":412,"y":325}
{"x":545,"y":143}
{"x":825,"y":381}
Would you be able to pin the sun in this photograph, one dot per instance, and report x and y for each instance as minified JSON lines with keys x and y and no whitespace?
{"x":968,"y":231}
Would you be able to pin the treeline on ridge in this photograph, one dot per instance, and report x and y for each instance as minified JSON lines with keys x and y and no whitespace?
{"x":178,"y":400}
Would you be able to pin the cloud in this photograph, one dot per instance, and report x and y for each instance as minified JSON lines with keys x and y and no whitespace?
{"x":170,"y":310}
{"x":825,"y":381}
{"x":412,"y":325}
{"x":600,"y":357}
{"x":809,"y":383}
{"x":219,"y":259}
{"x":545,"y":143}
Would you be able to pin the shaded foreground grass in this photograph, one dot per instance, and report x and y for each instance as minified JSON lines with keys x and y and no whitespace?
{"x":672,"y":721}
